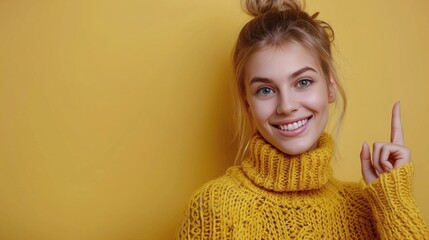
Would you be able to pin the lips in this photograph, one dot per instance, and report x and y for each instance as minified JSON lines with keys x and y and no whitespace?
{"x":291,"y":126}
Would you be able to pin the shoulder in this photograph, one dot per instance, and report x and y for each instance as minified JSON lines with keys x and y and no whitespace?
{"x":222,"y":186}
{"x":353,"y":196}
{"x":204,"y":207}
{"x":213,"y":199}
{"x":352,"y":189}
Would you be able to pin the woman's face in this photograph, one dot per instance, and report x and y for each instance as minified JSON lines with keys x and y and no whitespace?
{"x":288,"y":97}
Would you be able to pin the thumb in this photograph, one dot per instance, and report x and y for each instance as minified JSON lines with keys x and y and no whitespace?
{"x":368,"y":171}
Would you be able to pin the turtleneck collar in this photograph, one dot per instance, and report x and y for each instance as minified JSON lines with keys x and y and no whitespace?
{"x":271,"y":169}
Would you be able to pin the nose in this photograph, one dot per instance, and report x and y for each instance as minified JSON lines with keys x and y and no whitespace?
{"x":287,"y":104}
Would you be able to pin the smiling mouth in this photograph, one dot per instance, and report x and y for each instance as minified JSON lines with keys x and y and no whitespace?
{"x":294,"y":125}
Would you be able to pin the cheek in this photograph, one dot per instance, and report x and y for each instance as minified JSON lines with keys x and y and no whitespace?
{"x":320,"y":97}
{"x":261,"y":110}
{"x":319,"y":102}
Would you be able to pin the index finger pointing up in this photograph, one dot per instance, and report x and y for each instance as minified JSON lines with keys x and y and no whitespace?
{"x":396,"y":134}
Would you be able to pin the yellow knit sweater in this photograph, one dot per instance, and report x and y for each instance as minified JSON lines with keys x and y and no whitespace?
{"x":275,"y":196}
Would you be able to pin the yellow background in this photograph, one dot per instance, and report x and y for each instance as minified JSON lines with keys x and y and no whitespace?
{"x":113,"y":112}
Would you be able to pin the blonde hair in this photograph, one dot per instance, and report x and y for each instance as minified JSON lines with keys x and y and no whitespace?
{"x":274,"y":23}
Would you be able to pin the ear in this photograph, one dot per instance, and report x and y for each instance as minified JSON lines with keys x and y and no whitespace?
{"x":332,"y":94}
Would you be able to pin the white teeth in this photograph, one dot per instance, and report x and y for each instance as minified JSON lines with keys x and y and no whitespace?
{"x":293,"y":126}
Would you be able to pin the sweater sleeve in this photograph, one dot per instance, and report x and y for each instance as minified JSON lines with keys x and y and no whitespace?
{"x":193,"y":223}
{"x":202,"y":217}
{"x":393,"y":205}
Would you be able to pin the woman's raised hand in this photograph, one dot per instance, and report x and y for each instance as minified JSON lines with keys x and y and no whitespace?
{"x":385,"y":156}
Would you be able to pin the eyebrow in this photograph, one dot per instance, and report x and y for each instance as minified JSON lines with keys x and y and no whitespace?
{"x":293,"y":75}
{"x":301,"y":71}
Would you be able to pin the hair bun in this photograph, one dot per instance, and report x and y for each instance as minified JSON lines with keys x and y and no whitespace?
{"x":259,"y":7}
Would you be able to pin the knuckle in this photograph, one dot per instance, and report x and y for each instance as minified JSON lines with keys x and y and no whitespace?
{"x":404,"y":149}
{"x":408,"y":151}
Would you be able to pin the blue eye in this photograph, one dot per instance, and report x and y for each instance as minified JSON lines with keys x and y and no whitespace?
{"x":265,"y":91}
{"x":304,"y":83}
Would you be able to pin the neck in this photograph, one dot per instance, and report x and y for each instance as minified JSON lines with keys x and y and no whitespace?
{"x":271,"y":169}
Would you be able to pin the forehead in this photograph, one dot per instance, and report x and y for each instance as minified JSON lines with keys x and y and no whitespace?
{"x":280,"y":60}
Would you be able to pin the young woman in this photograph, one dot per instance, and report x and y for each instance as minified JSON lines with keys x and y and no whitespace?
{"x":283,"y":188}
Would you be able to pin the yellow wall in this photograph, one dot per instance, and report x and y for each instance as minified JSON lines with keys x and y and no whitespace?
{"x":113,"y":112}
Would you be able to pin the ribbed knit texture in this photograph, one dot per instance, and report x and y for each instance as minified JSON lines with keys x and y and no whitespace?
{"x":272,"y":170}
{"x":275,"y":196}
